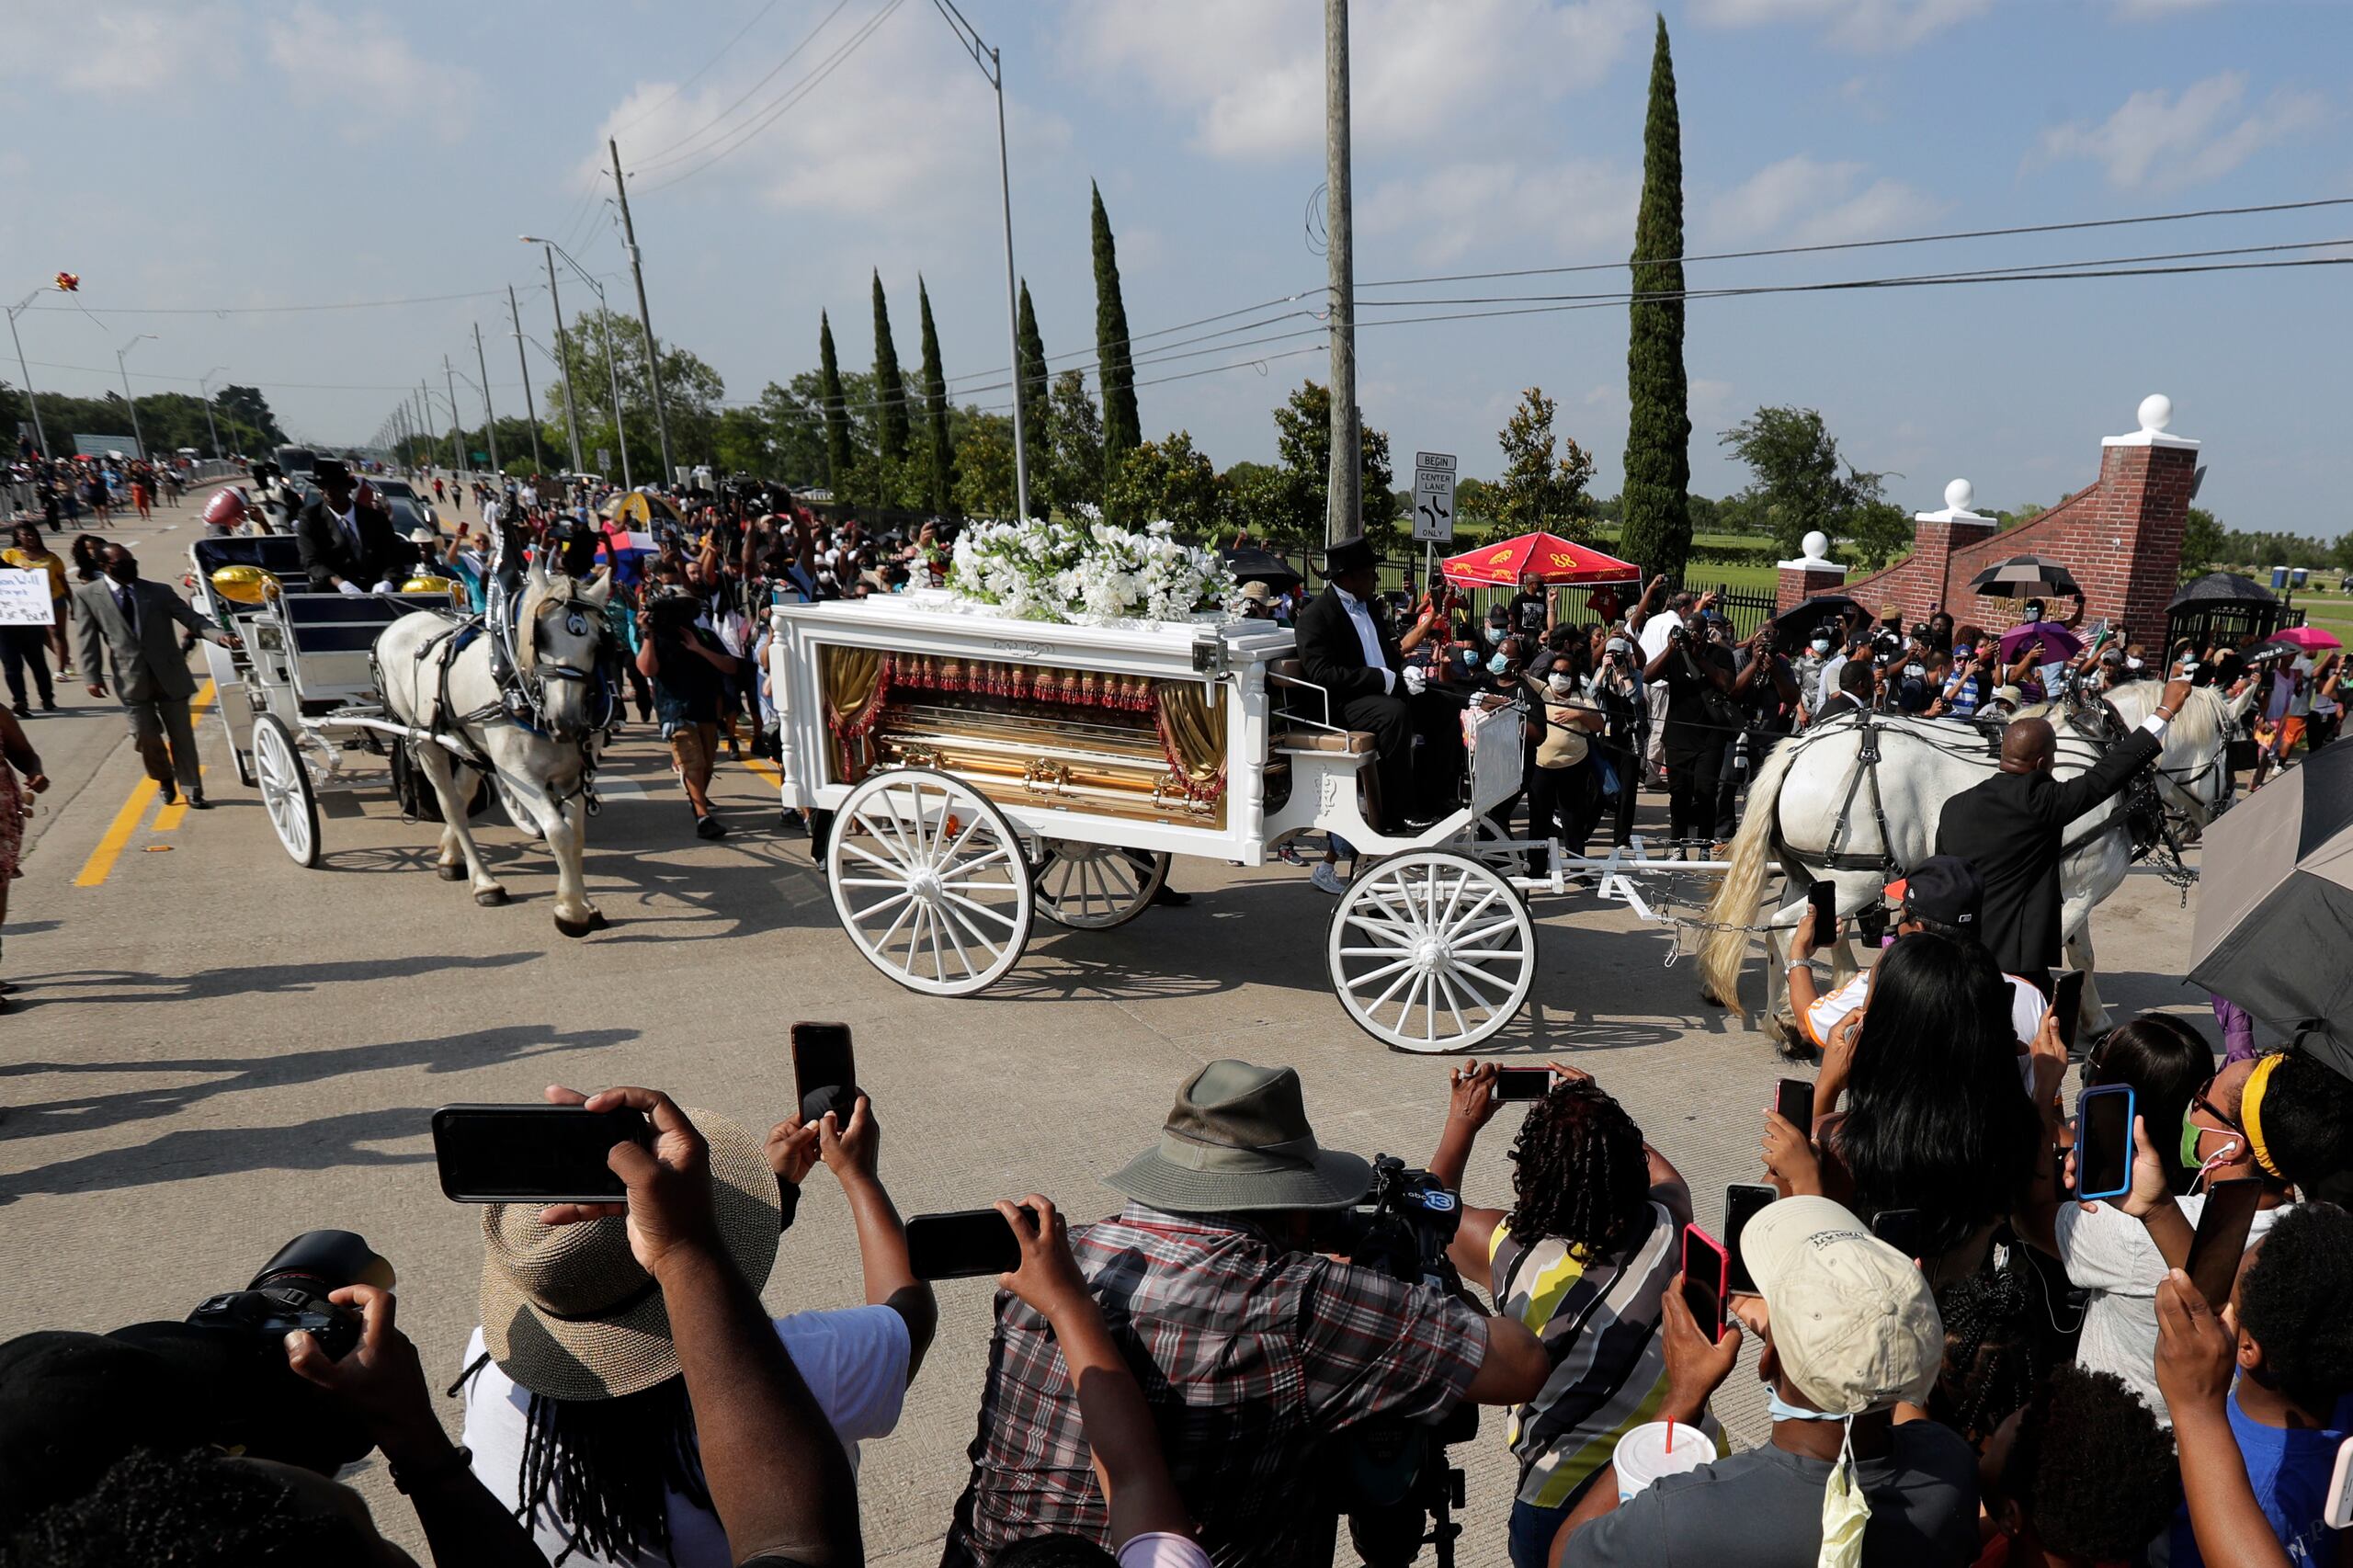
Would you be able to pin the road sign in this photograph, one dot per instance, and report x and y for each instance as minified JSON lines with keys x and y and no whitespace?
{"x":604,"y":461}
{"x":1434,"y":497}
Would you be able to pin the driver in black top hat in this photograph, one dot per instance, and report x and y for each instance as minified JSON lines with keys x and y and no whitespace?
{"x":1344,"y":649}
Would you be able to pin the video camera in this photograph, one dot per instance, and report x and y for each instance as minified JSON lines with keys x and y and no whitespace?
{"x":1389,"y":1477}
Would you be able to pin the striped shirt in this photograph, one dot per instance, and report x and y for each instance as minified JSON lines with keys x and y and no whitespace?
{"x":1599,"y":1322}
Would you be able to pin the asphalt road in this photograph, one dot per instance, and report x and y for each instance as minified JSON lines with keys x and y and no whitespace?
{"x":211,"y":1050}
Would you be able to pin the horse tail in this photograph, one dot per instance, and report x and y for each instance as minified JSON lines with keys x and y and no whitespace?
{"x":1725,"y":948}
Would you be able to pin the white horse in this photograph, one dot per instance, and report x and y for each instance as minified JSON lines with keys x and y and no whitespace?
{"x":1812,"y":800}
{"x":542,"y":772}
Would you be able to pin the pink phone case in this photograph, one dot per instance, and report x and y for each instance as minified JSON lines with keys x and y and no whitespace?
{"x":1723,"y":1273}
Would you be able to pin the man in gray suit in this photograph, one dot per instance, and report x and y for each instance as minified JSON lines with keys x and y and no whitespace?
{"x":135,"y":623}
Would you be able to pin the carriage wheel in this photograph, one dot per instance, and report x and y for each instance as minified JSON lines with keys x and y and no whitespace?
{"x":929,"y":880}
{"x":284,"y":780}
{"x":1431,"y":950}
{"x":1093,"y":887}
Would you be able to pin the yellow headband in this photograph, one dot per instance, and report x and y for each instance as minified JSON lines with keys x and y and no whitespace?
{"x":2251,"y":1112}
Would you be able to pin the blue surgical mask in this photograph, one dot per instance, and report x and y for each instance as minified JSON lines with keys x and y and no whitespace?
{"x":1495,"y":634}
{"x":1500,"y":663}
{"x":1783,"y":1411}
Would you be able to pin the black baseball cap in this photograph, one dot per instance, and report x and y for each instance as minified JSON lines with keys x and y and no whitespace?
{"x":70,"y":1405}
{"x":1943,"y":887}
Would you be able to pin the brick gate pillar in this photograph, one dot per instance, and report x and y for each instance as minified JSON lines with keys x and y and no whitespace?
{"x":2134,"y":551}
{"x":1929,"y":586}
{"x":1811,"y":573}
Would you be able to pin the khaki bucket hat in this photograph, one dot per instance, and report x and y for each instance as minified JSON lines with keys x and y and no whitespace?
{"x":1237,"y":1141}
{"x":566,"y":1310}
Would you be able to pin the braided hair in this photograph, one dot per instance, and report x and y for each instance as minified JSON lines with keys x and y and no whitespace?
{"x":1580,"y":1172}
{"x":606,"y":1467}
{"x":1995,"y":1356}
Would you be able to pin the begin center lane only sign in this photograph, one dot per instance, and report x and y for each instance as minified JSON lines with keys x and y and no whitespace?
{"x":1434,"y":497}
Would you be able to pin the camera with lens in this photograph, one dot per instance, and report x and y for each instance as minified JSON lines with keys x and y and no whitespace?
{"x":671,"y":610}
{"x":1389,"y":1477}
{"x":291,"y":1293}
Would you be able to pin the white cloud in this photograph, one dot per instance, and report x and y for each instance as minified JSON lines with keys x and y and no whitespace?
{"x":1813,"y":202}
{"x":1864,"y":27}
{"x":368,"y":78}
{"x":1570,"y":210}
{"x":115,"y":51}
{"x":1250,"y":74}
{"x":2158,"y":139}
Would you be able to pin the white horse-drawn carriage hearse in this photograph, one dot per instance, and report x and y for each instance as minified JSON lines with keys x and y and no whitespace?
{"x":977,"y":772}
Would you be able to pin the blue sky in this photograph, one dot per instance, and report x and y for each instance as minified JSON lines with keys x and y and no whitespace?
{"x":197,"y":153}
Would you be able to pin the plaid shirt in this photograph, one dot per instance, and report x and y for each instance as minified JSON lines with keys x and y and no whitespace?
{"x":1248,"y":1354}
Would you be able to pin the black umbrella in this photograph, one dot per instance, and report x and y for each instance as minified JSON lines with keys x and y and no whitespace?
{"x":1251,"y":564}
{"x":2222,"y":587}
{"x":1796,"y":623}
{"x":2023,"y":578}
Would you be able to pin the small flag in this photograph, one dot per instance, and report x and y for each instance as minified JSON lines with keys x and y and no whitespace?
{"x":69,"y":282}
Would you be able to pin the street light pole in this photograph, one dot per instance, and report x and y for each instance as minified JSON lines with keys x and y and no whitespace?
{"x":605,"y":325}
{"x":530,"y":408}
{"x":138,"y":438}
{"x":457,"y":420}
{"x":564,"y":360}
{"x":644,"y":318}
{"x":489,"y":414}
{"x":993,"y":66}
{"x":204,"y":384}
{"x":40,"y":437}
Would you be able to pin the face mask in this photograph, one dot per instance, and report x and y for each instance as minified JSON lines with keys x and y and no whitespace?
{"x":1845,"y":1511}
{"x":1495,"y":634}
{"x":1783,"y":1411}
{"x":1499,"y":664}
{"x":2189,"y":1136}
{"x":1820,"y":645}
{"x":1564,"y":686}
{"x":1914,"y":672}
{"x":2032,"y":615}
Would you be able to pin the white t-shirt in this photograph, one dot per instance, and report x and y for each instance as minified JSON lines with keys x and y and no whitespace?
{"x":1158,"y":1548}
{"x":2027,"y":1007}
{"x":2108,"y":1252}
{"x":854,"y":1360}
{"x":1654,"y":631}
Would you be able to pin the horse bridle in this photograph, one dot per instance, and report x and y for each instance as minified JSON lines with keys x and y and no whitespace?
{"x":534,"y":680}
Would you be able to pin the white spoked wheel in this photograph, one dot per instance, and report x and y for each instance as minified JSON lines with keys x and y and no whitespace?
{"x":1431,"y":950}
{"x":1490,"y":847}
{"x":929,"y":880}
{"x":1093,"y":887}
{"x":284,"y":784}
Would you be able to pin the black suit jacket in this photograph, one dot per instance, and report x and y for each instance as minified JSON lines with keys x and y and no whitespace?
{"x":1332,"y":654}
{"x":2011,"y":828}
{"x":327,"y":554}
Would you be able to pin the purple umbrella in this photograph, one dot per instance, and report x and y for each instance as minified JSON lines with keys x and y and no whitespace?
{"x":2058,"y":642}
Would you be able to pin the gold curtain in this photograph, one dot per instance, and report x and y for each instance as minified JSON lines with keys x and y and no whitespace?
{"x":854,"y":688}
{"x":1191,"y":719}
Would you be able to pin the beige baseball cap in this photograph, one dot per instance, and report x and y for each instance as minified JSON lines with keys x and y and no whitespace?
{"x":1852,"y":1318}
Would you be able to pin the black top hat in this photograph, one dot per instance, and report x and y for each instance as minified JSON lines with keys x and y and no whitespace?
{"x":1350,"y":555}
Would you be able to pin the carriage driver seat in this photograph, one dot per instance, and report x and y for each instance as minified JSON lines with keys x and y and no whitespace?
{"x":1300,"y":702}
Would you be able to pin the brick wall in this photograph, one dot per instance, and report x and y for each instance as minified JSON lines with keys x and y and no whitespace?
{"x":2120,"y":537}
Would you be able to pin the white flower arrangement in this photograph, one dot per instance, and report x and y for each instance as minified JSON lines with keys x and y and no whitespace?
{"x":1088,"y":572}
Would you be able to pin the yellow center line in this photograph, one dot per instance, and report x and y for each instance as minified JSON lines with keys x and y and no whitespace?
{"x":169,"y":817}
{"x":110,"y":846}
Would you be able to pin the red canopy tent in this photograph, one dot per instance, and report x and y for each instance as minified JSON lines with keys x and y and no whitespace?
{"x":1557,"y":561}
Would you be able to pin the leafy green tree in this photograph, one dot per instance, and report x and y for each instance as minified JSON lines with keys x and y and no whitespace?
{"x":1878,"y":530}
{"x":941,"y":475}
{"x":1034,"y":393}
{"x":1123,"y":427}
{"x":1076,"y":472}
{"x":890,"y":385}
{"x":1539,"y":490}
{"x":1656,"y":532}
{"x":746,"y":442}
{"x":794,"y":420}
{"x":691,"y":392}
{"x":984,"y":466}
{"x":1797,"y":482}
{"x":1175,"y":480}
{"x":2201,"y":543}
{"x":829,"y":374}
{"x":1286,"y":506}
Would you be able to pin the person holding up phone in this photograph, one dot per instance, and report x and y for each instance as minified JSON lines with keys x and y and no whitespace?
{"x":1849,"y":1330}
{"x":1586,"y":1257}
{"x":578,"y":1371}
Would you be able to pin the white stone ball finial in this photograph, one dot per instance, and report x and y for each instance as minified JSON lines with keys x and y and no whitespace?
{"x":1816,"y":545}
{"x":2156,"y":411}
{"x":1960,"y":494}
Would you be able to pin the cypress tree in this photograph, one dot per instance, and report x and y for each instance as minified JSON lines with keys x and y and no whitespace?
{"x":829,"y":392}
{"x":935,"y":408}
{"x":1036,"y":439}
{"x":1122,"y":429}
{"x":1657,"y":528}
{"x":890,"y":386}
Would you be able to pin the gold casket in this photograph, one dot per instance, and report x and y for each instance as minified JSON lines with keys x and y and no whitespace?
{"x":1028,"y":734}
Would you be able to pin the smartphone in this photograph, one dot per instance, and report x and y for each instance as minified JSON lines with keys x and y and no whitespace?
{"x":1825,"y":898}
{"x":1703,"y":1281}
{"x":961,"y":1245}
{"x":2068,"y":1001}
{"x":532,"y":1154}
{"x":1742,"y":1202}
{"x":1901,"y":1229}
{"x":1523,"y":1083}
{"x":2337,"y":1513}
{"x":2221,"y":1240}
{"x":2104,"y":1142}
{"x":1793,"y":1098}
{"x":821,"y":1061}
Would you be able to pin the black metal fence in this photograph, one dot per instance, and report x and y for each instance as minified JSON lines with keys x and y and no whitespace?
{"x":2229,"y":622}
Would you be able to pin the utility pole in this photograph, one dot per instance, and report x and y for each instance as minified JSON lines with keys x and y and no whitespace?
{"x":1344,"y":503}
{"x":138,"y":440}
{"x":563,"y":356}
{"x":530,"y":407}
{"x":489,"y":416}
{"x":32,"y":400}
{"x":457,"y":422}
{"x":644,"y":318}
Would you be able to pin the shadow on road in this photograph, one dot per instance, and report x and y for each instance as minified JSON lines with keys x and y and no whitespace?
{"x":113,"y":985}
{"x":330,"y":1143}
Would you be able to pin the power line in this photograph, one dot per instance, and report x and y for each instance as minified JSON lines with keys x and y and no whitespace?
{"x":497,"y":293}
{"x":714,"y":121}
{"x":1872,"y":245}
{"x":666,"y":98}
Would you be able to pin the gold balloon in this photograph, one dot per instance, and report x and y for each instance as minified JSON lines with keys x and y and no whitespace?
{"x":242,"y":584}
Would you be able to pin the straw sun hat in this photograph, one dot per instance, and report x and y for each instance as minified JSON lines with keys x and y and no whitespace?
{"x":567,"y":1313}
